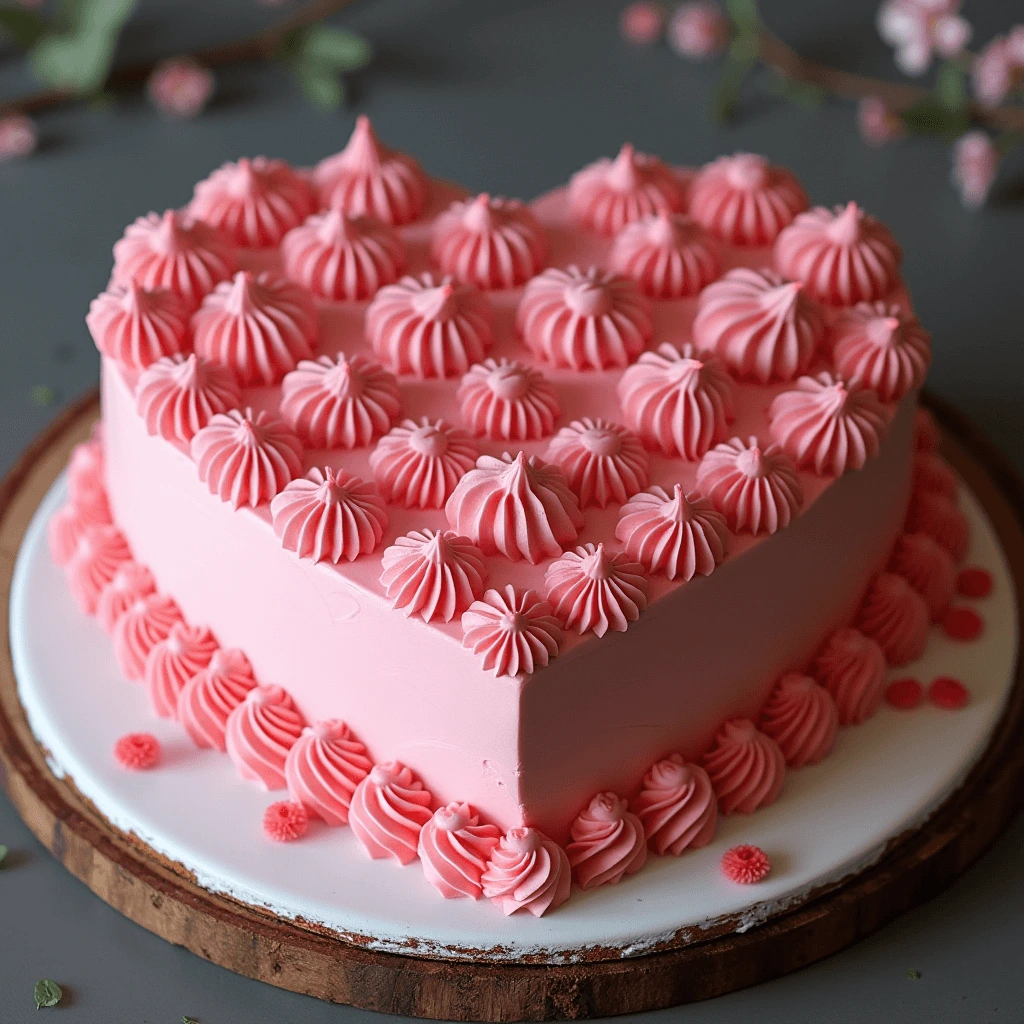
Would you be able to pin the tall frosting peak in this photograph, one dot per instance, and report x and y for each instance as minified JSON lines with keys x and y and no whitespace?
{"x":527,"y":871}
{"x":515,"y":633}
{"x":677,"y":806}
{"x":802,"y":718}
{"x":323,"y":768}
{"x":388,"y":809}
{"x":259,"y":733}
{"x":608,"y":842}
{"x":746,"y":767}
{"x":136,"y":326}
{"x":851,"y":666}
{"x":209,"y":697}
{"x":454,"y":849}
{"x":668,"y":255}
{"x":603,"y":462}
{"x":508,"y":401}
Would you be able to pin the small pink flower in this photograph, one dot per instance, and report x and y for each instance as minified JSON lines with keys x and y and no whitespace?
{"x":17,"y":136}
{"x":284,"y":822}
{"x":180,"y":87}
{"x":642,"y":22}
{"x":745,"y":864}
{"x":137,"y":751}
{"x":919,"y":29}
{"x":698,"y":30}
{"x":999,"y":69}
{"x":1015,"y":45}
{"x":878,"y":124}
{"x":975,"y":163}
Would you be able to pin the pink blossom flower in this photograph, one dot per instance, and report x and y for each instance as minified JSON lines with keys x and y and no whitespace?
{"x":919,"y":29}
{"x":642,"y":22}
{"x":698,"y":30}
{"x":878,"y":124}
{"x":17,"y":136}
{"x":1015,"y":45}
{"x":180,"y":87}
{"x":999,"y":69}
{"x":975,"y":163}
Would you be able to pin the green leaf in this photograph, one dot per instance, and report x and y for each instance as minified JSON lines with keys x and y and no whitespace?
{"x":189,"y":1020}
{"x":321,"y":86}
{"x":951,"y":86}
{"x":913,"y":975}
{"x":727,"y":92}
{"x":22,"y":26}
{"x":41,"y":394}
{"x":335,"y":48}
{"x":744,"y":14}
{"x":931,"y":118}
{"x":3,"y":854}
{"x":47,"y":993}
{"x":803,"y":94}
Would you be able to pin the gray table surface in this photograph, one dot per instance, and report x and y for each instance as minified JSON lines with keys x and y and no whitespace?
{"x":511,"y":97}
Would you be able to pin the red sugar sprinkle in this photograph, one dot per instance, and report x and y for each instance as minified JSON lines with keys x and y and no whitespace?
{"x":947,"y":692}
{"x":285,"y":821}
{"x":137,"y":751}
{"x":745,"y":864}
{"x":974,"y":582}
{"x":962,"y":624}
{"x":904,"y":694}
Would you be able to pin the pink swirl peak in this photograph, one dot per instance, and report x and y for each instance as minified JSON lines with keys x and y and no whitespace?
{"x":246,"y":458}
{"x":928,"y":567}
{"x":429,"y":328}
{"x":435,"y":574}
{"x":136,"y":327}
{"x":679,"y":535}
{"x":490,"y":243}
{"x":746,"y":767}
{"x":388,"y":810}
{"x":851,"y":666}
{"x":323,"y":768}
{"x":602,"y":461}
{"x":516,"y":507}
{"x":172,"y":662}
{"x":131,"y":582}
{"x":678,"y":402}
{"x":669,"y":256}
{"x":260,"y":732}
{"x":802,"y":718}
{"x":607,"y":842}
{"x":329,"y":515}
{"x":148,"y":621}
{"x":210,"y":696}
{"x":508,"y":401}
{"x":763,"y":327}
{"x":100,"y":552}
{"x":516,"y":634}
{"x":527,"y":871}
{"x":677,"y":806}
{"x":755,"y":488}
{"x":454,"y":849}
{"x":341,"y":402}
{"x":417,"y":465}
{"x":896,"y":617}
{"x":589,"y":320}
{"x":843,"y":256}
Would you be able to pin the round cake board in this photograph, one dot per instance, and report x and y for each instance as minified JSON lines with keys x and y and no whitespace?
{"x":767,"y":938}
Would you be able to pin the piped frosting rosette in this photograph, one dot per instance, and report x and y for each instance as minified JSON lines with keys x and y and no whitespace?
{"x":172,"y":662}
{"x":668,"y":255}
{"x":322,"y":769}
{"x":746,"y":767}
{"x":136,"y":326}
{"x":928,"y":567}
{"x":677,"y":806}
{"x":938,"y":516}
{"x":508,"y":401}
{"x":607,"y":842}
{"x":603,"y":462}
{"x":260,"y":732}
{"x":209,"y":697}
{"x":851,"y":666}
{"x":387,"y":811}
{"x":100,"y":551}
{"x":131,"y":582}
{"x":802,"y":718}
{"x":142,"y":626}
{"x":896,"y":617}
{"x":454,"y":848}
{"x":527,"y":871}
{"x":514,"y":633}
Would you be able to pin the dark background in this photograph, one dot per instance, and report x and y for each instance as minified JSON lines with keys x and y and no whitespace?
{"x":511,"y":97}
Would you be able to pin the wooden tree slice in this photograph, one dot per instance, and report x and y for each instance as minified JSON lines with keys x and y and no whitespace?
{"x":135,"y":881}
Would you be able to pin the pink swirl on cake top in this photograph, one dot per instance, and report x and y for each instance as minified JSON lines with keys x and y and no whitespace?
{"x":344,"y":402}
{"x":851,"y":666}
{"x":679,"y":535}
{"x":609,"y":194}
{"x":584,"y":320}
{"x":142,"y":626}
{"x":516,"y":507}
{"x":668,"y":255}
{"x":209,"y":697}
{"x":756,"y":488}
{"x":677,"y":806}
{"x":762,"y":326}
{"x":745,"y":200}
{"x":802,"y":718}
{"x":369,"y":179}
{"x":258,"y":326}
{"x":100,"y":552}
{"x":515,"y":633}
{"x":323,"y":768}
{"x":883,"y":347}
{"x":931,"y":472}
{"x":928,"y":567}
{"x":746,"y":767}
{"x":428,"y":327}
{"x":245,"y":457}
{"x":174,"y":251}
{"x":843,"y":256}
{"x":454,"y":849}
{"x":678,"y":402}
{"x":527,"y":871}
{"x":136,"y":327}
{"x":172,"y":662}
{"x":435,"y":574}
{"x":603,"y":462}
{"x":343,"y":258}
{"x":259,"y":733}
{"x":178,"y":395}
{"x":932,"y":513}
{"x":417,"y":465}
{"x":896,"y":617}
{"x":253,"y":202}
{"x":130,"y":582}
{"x":508,"y":401}
{"x":329,"y":515}
{"x":607,"y":842}
{"x":387,"y":811}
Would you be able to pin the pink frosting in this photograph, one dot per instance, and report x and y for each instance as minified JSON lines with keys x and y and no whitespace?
{"x":843,"y":256}
{"x":677,"y":806}
{"x":936,"y":515}
{"x":85,"y":471}
{"x":669,"y":256}
{"x":607,"y":842}
{"x":745,"y":200}
{"x":435,"y":574}
{"x":259,"y":326}
{"x":802,"y":718}
{"x":756,"y":488}
{"x":142,"y":626}
{"x":678,"y":402}
{"x":603,"y":462}
{"x":527,"y":871}
{"x":259,"y":733}
{"x":928,"y":567}
{"x":594,"y":589}
{"x":515,"y":633}
{"x":679,"y":535}
{"x":508,"y":401}
{"x":340,"y":257}
{"x":323,"y":768}
{"x":927,"y":436}
{"x":64,"y":531}
{"x":245,"y":457}
{"x":130,"y":582}
{"x":388,"y":810}
{"x":88,"y":507}
{"x":516,"y":507}
{"x":896,"y":617}
{"x":746,"y":767}
{"x":100,"y":552}
{"x":609,"y":194}
{"x":253,"y":202}
{"x":136,"y":327}
{"x":428,"y":327}
{"x":329,"y":515}
{"x":851,"y":666}
{"x":177,"y":396}
{"x":172,"y":662}
{"x":454,"y":849}
{"x":933,"y":473}
{"x":590,"y":320}
{"x":417,"y":465}
{"x":883,"y":347}
{"x":174,"y":251}
{"x":763,"y":326}
{"x":210,"y":696}
{"x":344,"y":402}
{"x":368,"y":179}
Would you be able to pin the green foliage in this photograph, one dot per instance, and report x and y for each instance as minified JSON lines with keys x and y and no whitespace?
{"x":47,"y":993}
{"x":803,"y":94}
{"x":951,"y":86}
{"x":22,"y":26}
{"x":744,"y":15}
{"x":930,"y":117}
{"x":740,"y":62}
{"x":319,"y":56}
{"x":3,"y":854}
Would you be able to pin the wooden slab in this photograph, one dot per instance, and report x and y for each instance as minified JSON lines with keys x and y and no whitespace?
{"x":132,"y":879}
